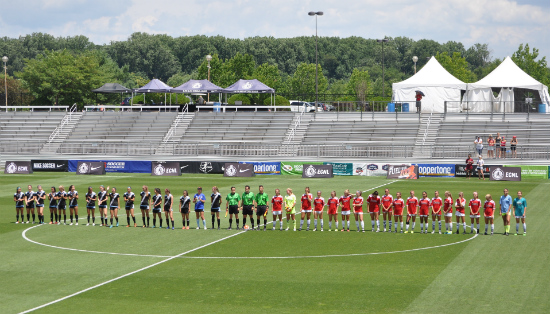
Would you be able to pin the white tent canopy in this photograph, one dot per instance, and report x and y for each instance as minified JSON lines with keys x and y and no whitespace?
{"x":435,"y":82}
{"x":507,"y":76}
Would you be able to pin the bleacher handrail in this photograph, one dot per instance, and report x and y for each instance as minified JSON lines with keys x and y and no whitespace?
{"x":247,"y":108}
{"x":129,"y":108}
{"x":21,"y":108}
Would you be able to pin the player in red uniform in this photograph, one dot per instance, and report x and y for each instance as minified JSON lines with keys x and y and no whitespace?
{"x":333,"y":202}
{"x":387,"y":200}
{"x":475,"y":206}
{"x":448,"y":211}
{"x":307,"y":198}
{"x":398,"y":205}
{"x":358,"y":210}
{"x":345,"y":201}
{"x":489,"y":213}
{"x":412,"y":206}
{"x":374,"y":210}
{"x":319,"y":203}
{"x":277,"y":208}
{"x":460,"y":205}
{"x":436,"y":205}
{"x":424,"y":204}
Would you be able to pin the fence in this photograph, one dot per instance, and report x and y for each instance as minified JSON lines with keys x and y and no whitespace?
{"x":492,"y":107}
{"x":34,"y":108}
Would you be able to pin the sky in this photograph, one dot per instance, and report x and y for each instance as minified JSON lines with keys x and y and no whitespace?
{"x":503,"y":24}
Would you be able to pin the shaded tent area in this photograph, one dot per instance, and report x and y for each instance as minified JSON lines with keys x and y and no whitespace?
{"x":112,"y":88}
{"x":437,"y":84}
{"x":249,"y":87}
{"x":515,"y":89}
{"x":196,"y":87}
{"x":154,"y":86}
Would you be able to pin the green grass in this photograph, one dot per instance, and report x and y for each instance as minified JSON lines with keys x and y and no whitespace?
{"x":487,"y":274}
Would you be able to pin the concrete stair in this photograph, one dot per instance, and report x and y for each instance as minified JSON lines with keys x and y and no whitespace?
{"x":427,"y":134}
{"x":175,"y":133}
{"x":61,"y":132}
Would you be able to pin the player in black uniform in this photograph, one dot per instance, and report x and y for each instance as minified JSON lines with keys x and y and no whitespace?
{"x":73,"y":204}
{"x":30,"y":197}
{"x":157,"y":206}
{"x":168,"y":212}
{"x":91,"y":197}
{"x":145,"y":204}
{"x":216,"y":199}
{"x":129,"y":198}
{"x":185,"y":200}
{"x":102,"y":204}
{"x":53,"y":206}
{"x":40,"y":197}
{"x":61,"y":198}
{"x":19,"y":199}
{"x":114,"y":206}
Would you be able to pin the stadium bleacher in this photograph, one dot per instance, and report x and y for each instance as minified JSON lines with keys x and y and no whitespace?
{"x":27,"y":125}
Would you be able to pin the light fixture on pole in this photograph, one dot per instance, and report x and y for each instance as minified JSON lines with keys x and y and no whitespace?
{"x":385,"y":40}
{"x":415,"y":59}
{"x":5,"y":60}
{"x":208,"y":58}
{"x":316,"y":59}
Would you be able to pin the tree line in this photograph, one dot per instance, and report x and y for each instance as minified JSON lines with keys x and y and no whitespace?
{"x":63,"y":70}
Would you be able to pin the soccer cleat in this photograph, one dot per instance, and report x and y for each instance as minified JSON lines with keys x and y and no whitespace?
{"x":491,"y":233}
{"x":218,"y":228}
{"x":307,"y":229}
{"x":405,"y":231}
{"x":464,"y":232}
{"x":363,"y":230}
{"x":18,"y":222}
{"x":294,"y":229}
{"x":300,"y":229}
{"x":377,"y":230}
{"x":71,"y":224}
{"x":135,"y":225}
{"x":401,"y":231}
{"x":198,"y":228}
{"x":281,"y":229}
{"x":111,"y":226}
{"x":87,"y":225}
{"x":204,"y":227}
{"x":154,"y":227}
{"x":187,"y":228}
{"x":385,"y":230}
{"x":485,"y":233}
{"x":322,"y":230}
{"x":182,"y":228}
{"x":315,"y":229}
{"x":76,"y":224}
{"x":525,"y":234}
{"x":49,"y":223}
{"x":273,"y":229}
{"x":439,"y":232}
{"x":166,"y":227}
{"x":358,"y":230}
{"x":264,"y":228}
{"x":372,"y":230}
{"x":433,"y":231}
{"x":127,"y":226}
{"x":412,"y":231}
{"x":329,"y":230}
{"x":287,"y":228}
{"x":117,"y":224}
{"x":348,"y":230}
{"x":516,"y":234}
{"x":93,"y":225}
{"x":457,"y":232}
{"x":27,"y":221}
{"x":172,"y":228}
{"x":343,"y":230}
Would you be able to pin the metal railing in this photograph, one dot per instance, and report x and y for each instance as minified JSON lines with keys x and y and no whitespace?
{"x":33,"y":108}
{"x":242,"y":108}
{"x":66,"y":119}
{"x":131,"y":108}
{"x":493,"y":107}
{"x":292,"y":131}
{"x":174,"y":128}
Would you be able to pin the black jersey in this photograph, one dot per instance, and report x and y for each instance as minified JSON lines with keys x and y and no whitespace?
{"x":216,"y":200}
{"x":62,"y":201}
{"x":157,"y":201}
{"x":102,"y":197}
{"x":30,"y":198}
{"x":72,"y":198}
{"x":53,"y":201}
{"x":129,"y":197}
{"x":145,"y":198}
{"x":90,"y":199}
{"x":39,"y":199}
{"x":19,"y":199}
{"x":184,"y":202}
{"x":167,"y":201}
{"x":114,"y":199}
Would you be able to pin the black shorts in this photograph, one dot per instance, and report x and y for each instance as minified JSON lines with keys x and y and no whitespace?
{"x":144,"y":207}
{"x":247,"y":210}
{"x":156,"y":210}
{"x":503,"y":148}
{"x":215,"y":210}
{"x":513,"y":147}
{"x":62,"y":207}
{"x":30,"y":207}
{"x":233,"y":209}
{"x":261,"y":209}
{"x":167,"y":209}
{"x":184,"y":210}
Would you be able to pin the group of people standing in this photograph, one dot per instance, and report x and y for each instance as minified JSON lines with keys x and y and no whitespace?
{"x":497,"y":146}
{"x":249,"y":205}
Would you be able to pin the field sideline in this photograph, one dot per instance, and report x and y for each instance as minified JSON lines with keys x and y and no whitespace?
{"x":136,"y":270}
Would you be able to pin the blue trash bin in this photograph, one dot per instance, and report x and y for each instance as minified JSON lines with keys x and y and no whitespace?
{"x":217,"y":107}
{"x":542,"y":108}
{"x":405,"y":107}
{"x":391,"y":107}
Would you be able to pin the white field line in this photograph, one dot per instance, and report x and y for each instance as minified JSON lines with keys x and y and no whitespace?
{"x":376,"y":187}
{"x":128,"y":274}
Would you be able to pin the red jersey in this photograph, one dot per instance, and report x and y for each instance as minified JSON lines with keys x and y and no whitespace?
{"x":412,"y":204}
{"x":398,"y":205}
{"x":459,"y":205}
{"x":424,"y":206}
{"x":374,"y":203}
{"x":333,"y":206}
{"x":358,"y":204}
{"x":277,"y":202}
{"x":345,"y":201}
{"x":306,"y":201}
{"x":436,"y":205}
{"x":319,"y":204}
{"x":387,"y":201}
{"x":489,"y":208}
{"x":475,"y":205}
{"x":448,"y":205}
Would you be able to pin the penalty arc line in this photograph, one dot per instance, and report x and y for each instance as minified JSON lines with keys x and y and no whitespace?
{"x":128,"y":274}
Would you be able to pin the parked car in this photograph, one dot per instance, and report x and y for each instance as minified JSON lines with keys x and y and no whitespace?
{"x":299,"y":106}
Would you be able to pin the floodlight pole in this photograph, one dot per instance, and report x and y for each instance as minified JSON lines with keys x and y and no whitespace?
{"x":385,"y":40}
{"x":5,"y":60}
{"x":415,"y":59}
{"x":208,"y":58}
{"x":316,"y":60}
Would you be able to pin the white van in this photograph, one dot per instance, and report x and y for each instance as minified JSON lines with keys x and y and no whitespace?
{"x":299,"y":106}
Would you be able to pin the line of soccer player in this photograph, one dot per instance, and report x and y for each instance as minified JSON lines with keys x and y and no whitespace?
{"x":249,"y":205}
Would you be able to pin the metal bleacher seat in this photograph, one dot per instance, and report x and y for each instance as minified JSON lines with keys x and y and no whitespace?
{"x":29,"y":126}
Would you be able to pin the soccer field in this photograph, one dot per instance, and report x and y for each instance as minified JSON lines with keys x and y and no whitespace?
{"x":83,"y":269}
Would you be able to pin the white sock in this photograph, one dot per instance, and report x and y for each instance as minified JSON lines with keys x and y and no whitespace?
{"x":274,"y":223}
{"x":362,"y":225}
{"x":421,"y":227}
{"x":464,"y":226}
{"x":378,"y":224}
{"x":329,"y":224}
{"x":486,"y":227}
{"x":433,"y":225}
{"x":492,"y":228}
{"x":315,"y":223}
{"x":390,"y":225}
{"x":401,"y":226}
{"x":414,"y":223}
{"x":524,"y":228}
{"x":396,"y":226}
{"x":440,"y":226}
{"x":357,"y":224}
{"x":281,"y":223}
{"x":301,"y":223}
{"x":198,"y":225}
{"x":451,"y":226}
{"x":472,"y":227}
{"x":308,"y":223}
{"x":336,"y":222}
{"x":407,"y":227}
{"x":385,"y":224}
{"x":348,"y":224}
{"x":426,"y":227}
{"x":477,"y":227}
{"x":204,"y":223}
{"x":517,"y":228}
{"x":372,"y":224}
{"x":321,"y":223}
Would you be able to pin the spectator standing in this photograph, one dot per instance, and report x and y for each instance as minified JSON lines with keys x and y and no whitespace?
{"x":503,"y":147}
{"x":200,"y":101}
{"x":479,"y":145}
{"x":491,"y":149}
{"x":497,"y":141}
{"x":469,"y":166}
{"x":418,"y":102}
{"x":513,"y":146}
{"x":479,"y":168}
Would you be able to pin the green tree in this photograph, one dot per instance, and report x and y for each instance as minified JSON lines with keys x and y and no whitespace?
{"x":359,"y":83}
{"x":527,"y":61}
{"x":62,"y":78}
{"x":303,"y":82}
{"x":180,"y":78}
{"x":457,"y":66}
